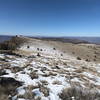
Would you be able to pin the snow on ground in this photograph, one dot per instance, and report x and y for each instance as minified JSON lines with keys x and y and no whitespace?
{"x":51,"y":72}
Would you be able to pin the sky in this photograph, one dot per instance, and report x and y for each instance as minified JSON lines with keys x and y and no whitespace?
{"x":50,"y":17}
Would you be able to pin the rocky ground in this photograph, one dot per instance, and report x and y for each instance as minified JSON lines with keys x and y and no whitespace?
{"x":43,"y":70}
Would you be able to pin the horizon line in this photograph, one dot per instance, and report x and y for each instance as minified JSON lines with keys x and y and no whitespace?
{"x":45,"y":35}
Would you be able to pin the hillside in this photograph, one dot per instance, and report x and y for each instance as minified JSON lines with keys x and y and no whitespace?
{"x":51,"y":70}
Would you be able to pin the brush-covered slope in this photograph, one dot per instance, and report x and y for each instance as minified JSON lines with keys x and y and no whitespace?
{"x":51,"y":70}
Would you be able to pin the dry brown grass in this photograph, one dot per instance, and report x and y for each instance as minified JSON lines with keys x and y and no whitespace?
{"x":52,"y":73}
{"x":16,"y":69}
{"x":79,"y":70}
{"x":44,"y":82}
{"x":4,"y":96}
{"x":56,"y":82}
{"x":7,"y":92}
{"x":79,"y":93}
{"x":12,"y":44}
{"x":34,"y":75}
{"x":44,"y":90}
{"x":28,"y":93}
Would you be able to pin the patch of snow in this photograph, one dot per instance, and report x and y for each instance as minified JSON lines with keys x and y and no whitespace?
{"x":26,"y":79}
{"x":21,"y":99}
{"x":37,"y":92}
{"x":21,"y":91}
{"x":2,"y":56}
{"x":10,"y":74}
{"x":88,"y":74}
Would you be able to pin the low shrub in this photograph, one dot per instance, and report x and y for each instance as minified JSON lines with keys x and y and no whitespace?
{"x":44,"y":90}
{"x":12,"y":44}
{"x":54,"y":48}
{"x":79,"y":93}
{"x":7,"y":46}
{"x":78,"y":58}
{"x":38,"y":54}
{"x":34,"y":75}
{"x":87,"y":60}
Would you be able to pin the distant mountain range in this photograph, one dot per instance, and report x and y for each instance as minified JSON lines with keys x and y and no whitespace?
{"x":63,"y":39}
{"x":95,"y":40}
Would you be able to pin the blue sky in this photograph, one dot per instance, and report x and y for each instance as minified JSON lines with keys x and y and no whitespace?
{"x":50,"y":17}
